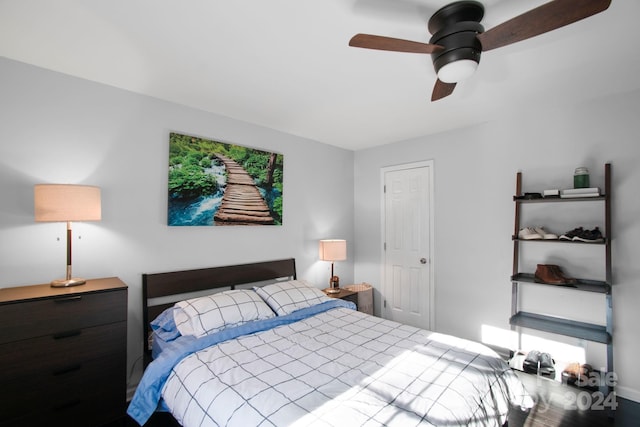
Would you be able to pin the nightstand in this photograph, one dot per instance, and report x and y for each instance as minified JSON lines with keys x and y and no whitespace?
{"x":63,"y":354}
{"x":344,"y":294}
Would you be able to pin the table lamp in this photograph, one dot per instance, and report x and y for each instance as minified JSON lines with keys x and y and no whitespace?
{"x":333,"y":250}
{"x":66,"y":203}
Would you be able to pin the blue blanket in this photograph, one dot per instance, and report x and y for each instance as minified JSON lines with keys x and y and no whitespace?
{"x":149,"y":391}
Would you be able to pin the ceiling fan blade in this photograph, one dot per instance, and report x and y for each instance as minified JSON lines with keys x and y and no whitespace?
{"x":540,"y":20}
{"x":369,"y":41}
{"x":441,"y":90}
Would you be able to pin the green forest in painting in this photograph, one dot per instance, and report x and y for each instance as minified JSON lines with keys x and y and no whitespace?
{"x":199,"y":168}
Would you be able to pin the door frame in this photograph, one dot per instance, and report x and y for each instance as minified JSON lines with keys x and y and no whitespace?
{"x":429,"y":164}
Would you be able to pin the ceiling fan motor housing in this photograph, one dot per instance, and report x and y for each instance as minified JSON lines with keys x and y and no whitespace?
{"x":459,"y":42}
{"x":455,"y":27}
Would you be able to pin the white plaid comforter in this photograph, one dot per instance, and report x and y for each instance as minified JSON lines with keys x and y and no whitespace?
{"x":343,"y":368}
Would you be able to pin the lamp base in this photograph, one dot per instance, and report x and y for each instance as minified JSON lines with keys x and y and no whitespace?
{"x":65,"y":283}
{"x":334,"y":285}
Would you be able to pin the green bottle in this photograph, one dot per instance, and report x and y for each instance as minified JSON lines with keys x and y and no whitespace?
{"x":581,"y":178}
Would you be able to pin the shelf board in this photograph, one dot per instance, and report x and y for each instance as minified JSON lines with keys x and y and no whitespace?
{"x":559,"y":199}
{"x":557,"y":325}
{"x":576,"y":242}
{"x":586,"y":285}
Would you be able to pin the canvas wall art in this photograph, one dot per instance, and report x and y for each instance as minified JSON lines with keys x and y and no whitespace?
{"x":214,"y":183}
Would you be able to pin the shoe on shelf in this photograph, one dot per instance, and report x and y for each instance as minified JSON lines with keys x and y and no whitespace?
{"x":576,"y":374}
{"x":569,"y":235}
{"x":545,"y":234}
{"x":571,"y":373}
{"x":589,"y":236}
{"x":547,"y":365}
{"x":585,"y":377}
{"x":531,"y":362}
{"x":539,"y":363}
{"x":546,"y":273}
{"x":529,"y":233}
{"x":558,"y":271}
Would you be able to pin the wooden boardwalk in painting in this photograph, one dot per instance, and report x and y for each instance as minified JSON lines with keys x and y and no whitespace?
{"x":242,"y":203}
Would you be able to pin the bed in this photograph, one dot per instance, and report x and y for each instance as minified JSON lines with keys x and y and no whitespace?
{"x":255,"y":346}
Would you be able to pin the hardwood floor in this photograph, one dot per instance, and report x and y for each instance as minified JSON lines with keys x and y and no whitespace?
{"x":557,"y":406}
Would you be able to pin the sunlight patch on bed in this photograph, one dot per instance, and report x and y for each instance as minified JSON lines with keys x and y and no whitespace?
{"x":415,"y":374}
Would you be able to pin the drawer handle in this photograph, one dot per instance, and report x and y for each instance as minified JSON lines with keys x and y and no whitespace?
{"x":68,"y":369}
{"x":67,"y":334}
{"x":68,"y":299}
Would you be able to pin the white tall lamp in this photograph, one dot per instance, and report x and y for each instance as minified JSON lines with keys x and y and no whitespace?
{"x":67,"y":203}
{"x":333,"y":250}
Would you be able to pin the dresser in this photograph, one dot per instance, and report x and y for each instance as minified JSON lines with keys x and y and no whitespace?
{"x":63,"y":354}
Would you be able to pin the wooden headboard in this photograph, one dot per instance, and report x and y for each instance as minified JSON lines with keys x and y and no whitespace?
{"x":162,"y":290}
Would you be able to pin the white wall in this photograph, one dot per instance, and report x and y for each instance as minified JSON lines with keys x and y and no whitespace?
{"x":475,"y":171}
{"x":57,"y":128}
{"x":60,"y":129}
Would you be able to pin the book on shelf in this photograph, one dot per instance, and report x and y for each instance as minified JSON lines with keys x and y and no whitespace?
{"x":551,"y":193}
{"x":590,"y":190}
{"x":580,"y":192}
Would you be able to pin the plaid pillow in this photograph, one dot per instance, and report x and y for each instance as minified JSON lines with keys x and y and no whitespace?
{"x":287,"y":297}
{"x":213,"y":313}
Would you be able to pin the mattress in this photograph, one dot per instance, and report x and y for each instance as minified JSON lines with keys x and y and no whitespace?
{"x":329,"y":366}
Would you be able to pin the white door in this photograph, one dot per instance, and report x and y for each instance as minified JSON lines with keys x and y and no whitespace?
{"x":408,"y":294}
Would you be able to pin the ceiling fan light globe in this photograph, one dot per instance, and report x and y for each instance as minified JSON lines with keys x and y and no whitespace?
{"x":457,"y":71}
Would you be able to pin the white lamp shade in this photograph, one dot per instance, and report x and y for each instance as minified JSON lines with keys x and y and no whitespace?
{"x":457,"y":71}
{"x":333,"y":250}
{"x":66,"y":202}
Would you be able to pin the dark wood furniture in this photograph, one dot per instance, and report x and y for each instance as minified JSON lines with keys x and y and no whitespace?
{"x":344,"y":294}
{"x":63,"y":354}
{"x":162,"y":290}
{"x":560,"y":325}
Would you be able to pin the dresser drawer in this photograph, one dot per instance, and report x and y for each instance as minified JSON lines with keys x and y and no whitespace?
{"x":61,"y":314}
{"x":95,"y":387}
{"x":90,"y":411}
{"x":55,"y":354}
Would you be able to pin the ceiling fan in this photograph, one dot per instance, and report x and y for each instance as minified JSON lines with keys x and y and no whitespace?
{"x":458,"y":38}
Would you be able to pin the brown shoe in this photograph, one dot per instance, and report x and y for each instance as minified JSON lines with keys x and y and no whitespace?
{"x":559,"y":273}
{"x":577,"y":374}
{"x":546,"y":274}
{"x":571,"y":373}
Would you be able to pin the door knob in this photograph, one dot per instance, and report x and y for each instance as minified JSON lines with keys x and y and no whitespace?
{"x":423,"y":260}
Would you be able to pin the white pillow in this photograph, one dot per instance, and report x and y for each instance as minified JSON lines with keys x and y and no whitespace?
{"x":287,"y":297}
{"x":206,"y":315}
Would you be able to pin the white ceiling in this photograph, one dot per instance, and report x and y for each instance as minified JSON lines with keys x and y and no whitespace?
{"x":286,"y":64}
